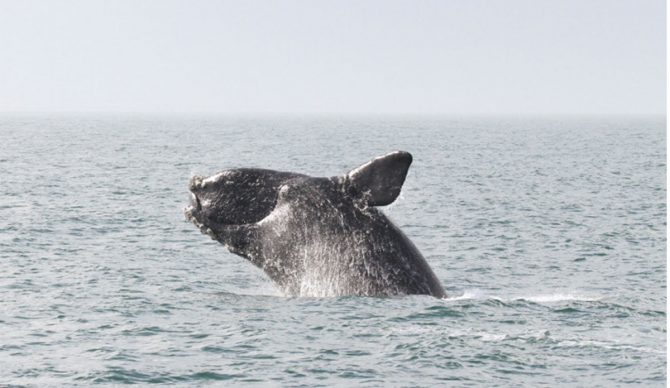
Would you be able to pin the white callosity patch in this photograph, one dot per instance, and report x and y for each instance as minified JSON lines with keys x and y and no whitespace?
{"x":196,"y":182}
{"x":215,"y":178}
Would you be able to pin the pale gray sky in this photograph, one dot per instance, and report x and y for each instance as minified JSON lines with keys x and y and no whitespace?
{"x":437,"y":57}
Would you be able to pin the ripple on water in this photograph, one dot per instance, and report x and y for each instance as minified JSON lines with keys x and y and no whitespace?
{"x":130,"y":376}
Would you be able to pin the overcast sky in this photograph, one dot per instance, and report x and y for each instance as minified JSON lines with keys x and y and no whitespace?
{"x":436,"y":57}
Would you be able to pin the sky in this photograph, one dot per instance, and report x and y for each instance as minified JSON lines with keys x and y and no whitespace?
{"x":465,"y":57}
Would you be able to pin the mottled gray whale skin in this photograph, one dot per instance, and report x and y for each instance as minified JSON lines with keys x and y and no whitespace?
{"x":316,"y":236}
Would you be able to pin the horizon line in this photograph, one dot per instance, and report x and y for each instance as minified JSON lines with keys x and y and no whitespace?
{"x":330,"y":114}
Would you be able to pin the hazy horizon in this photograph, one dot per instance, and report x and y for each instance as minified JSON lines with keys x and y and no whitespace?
{"x":447,"y":58}
{"x":326,"y":115}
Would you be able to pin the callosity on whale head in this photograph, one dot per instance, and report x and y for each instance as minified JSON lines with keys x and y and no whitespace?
{"x":316,"y":236}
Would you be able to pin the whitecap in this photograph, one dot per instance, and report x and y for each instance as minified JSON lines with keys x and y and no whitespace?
{"x":478,"y":294}
{"x":468,"y":294}
{"x":554,"y":298}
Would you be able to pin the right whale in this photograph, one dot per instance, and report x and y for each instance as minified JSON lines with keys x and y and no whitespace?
{"x":316,"y":236}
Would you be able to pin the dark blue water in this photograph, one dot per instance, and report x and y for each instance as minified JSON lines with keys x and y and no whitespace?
{"x":548,"y":234}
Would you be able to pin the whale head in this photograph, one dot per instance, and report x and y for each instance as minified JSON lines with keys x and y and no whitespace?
{"x":247,"y":195}
{"x":233,"y":197}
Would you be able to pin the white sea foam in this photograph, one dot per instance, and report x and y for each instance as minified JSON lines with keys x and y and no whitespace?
{"x":478,"y":294}
{"x":559,"y":297}
{"x":469,"y":294}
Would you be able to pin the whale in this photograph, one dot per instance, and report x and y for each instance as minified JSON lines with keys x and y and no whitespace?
{"x":316,"y":236}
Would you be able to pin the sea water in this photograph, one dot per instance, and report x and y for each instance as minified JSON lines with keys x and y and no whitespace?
{"x":549,"y":235}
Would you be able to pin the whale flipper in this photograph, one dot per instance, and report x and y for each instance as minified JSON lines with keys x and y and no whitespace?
{"x":381,"y":179}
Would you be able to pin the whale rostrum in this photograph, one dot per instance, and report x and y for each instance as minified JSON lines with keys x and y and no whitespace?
{"x":316,"y":236}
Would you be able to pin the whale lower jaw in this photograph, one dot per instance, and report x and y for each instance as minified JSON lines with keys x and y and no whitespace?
{"x":189,"y":213}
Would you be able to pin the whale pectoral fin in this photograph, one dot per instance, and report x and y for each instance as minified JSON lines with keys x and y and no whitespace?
{"x":379,"y":181}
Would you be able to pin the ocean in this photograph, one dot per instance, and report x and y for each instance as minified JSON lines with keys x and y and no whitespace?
{"x":548,"y":234}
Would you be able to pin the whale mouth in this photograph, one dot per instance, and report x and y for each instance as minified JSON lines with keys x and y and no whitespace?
{"x":195,"y":202}
{"x":194,"y":215}
{"x":193,"y":211}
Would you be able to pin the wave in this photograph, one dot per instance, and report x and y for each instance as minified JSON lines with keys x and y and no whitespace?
{"x":552,"y":298}
{"x":477,"y":294}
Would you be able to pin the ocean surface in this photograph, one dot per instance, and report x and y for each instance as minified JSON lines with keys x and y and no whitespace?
{"x":549,"y":235}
